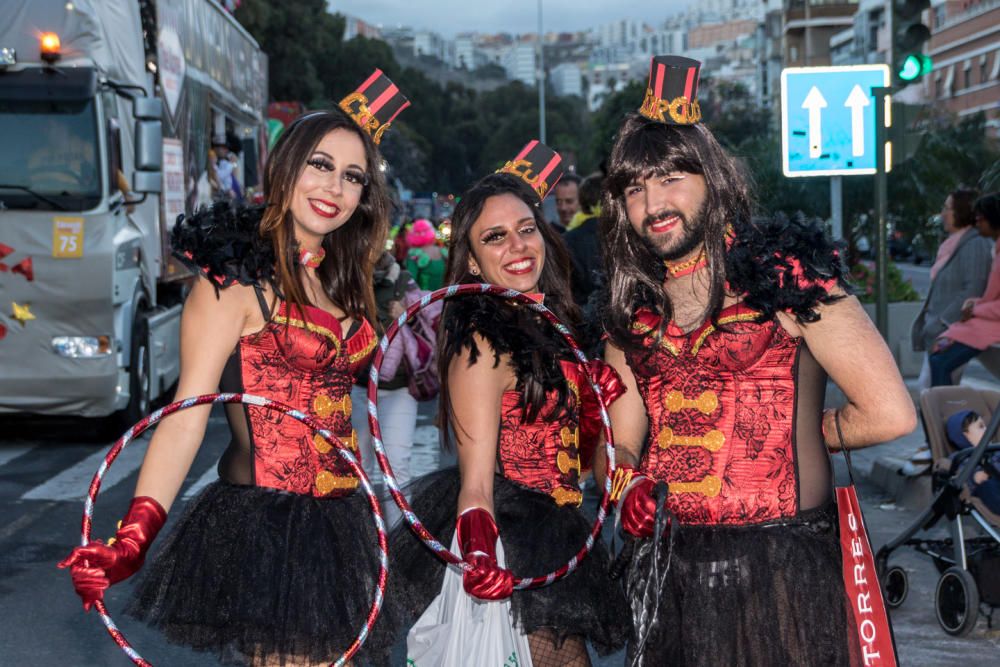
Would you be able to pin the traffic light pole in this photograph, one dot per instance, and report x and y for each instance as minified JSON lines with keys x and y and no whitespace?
{"x":881,"y":213}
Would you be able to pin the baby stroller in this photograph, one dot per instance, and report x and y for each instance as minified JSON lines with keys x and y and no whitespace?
{"x":969,"y":565}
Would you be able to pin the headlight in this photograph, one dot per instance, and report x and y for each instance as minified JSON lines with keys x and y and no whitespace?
{"x":82,"y":347}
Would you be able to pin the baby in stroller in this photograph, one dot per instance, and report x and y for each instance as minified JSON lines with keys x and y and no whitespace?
{"x":965,"y":429}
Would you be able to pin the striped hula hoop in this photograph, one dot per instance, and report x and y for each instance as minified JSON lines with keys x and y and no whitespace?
{"x":520,"y":583}
{"x":259,"y":401}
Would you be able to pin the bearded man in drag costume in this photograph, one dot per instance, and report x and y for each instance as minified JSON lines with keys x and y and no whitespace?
{"x":724,"y":329}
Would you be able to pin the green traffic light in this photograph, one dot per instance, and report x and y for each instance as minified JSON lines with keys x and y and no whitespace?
{"x":911,"y":68}
{"x":926,"y":64}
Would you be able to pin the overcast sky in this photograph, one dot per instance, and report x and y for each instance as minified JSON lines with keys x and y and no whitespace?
{"x":449,"y":17}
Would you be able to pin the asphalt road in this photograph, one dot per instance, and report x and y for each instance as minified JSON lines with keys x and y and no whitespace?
{"x":46,"y":466}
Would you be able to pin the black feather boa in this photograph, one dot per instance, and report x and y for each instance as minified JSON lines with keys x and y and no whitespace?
{"x":533,"y":345}
{"x":223,"y":243}
{"x":759,"y":265}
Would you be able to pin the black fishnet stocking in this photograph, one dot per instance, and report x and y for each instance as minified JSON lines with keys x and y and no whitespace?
{"x":547,"y":651}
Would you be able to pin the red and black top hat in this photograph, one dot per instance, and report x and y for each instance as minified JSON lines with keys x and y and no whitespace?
{"x":537,"y":165}
{"x":375,"y":104}
{"x":672,"y":93}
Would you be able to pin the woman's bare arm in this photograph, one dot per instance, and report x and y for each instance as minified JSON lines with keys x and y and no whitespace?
{"x":210,"y":330}
{"x":476,"y":395}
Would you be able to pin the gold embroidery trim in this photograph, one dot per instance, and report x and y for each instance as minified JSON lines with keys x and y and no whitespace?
{"x":523,"y":170}
{"x":364,"y":352}
{"x":569,"y":437}
{"x":566,"y":497}
{"x":573,"y":387}
{"x":742,"y":317}
{"x":309,"y":326}
{"x":623,"y":477}
{"x":565,"y":462}
{"x":641,"y":328}
{"x":706,"y":403}
{"x":681,"y":110}
{"x":324,"y":406}
{"x":710,"y":486}
{"x":712,"y":441}
{"x":323,"y":446}
{"x":326,"y":482}
{"x":355,"y":105}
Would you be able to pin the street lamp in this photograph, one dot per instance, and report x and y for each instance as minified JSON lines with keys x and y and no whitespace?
{"x":540,"y":78}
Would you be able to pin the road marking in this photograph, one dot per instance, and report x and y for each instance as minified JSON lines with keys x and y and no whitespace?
{"x":72,"y":483}
{"x":207,"y":478}
{"x":11,"y":453}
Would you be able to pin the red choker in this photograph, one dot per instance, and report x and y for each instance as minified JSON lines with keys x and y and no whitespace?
{"x":310,"y":259}
{"x":687,"y":267}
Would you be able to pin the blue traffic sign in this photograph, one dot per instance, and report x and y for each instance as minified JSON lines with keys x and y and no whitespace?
{"x":828,"y":119}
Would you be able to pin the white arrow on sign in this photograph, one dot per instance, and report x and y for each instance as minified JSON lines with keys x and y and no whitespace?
{"x":857,"y":101}
{"x":814,"y":103}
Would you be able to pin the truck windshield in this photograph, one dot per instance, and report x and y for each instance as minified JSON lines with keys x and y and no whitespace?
{"x":49,"y":158}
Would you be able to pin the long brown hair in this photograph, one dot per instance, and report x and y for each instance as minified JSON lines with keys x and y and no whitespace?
{"x":553,"y":281}
{"x":353,"y":248}
{"x":643,"y":149}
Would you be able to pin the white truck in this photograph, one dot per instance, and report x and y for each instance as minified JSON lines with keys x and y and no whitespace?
{"x":108,"y":112}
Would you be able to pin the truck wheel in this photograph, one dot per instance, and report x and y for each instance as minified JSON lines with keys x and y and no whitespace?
{"x":140,"y":382}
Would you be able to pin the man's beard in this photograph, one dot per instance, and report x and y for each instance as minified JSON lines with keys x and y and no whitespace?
{"x":671,"y":250}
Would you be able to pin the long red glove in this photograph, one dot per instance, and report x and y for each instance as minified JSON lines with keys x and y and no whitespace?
{"x":612,"y":387}
{"x":98,"y":565}
{"x":477,"y":537}
{"x":637,"y":508}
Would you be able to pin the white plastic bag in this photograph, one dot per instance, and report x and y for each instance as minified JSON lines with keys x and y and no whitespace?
{"x":457,"y":630}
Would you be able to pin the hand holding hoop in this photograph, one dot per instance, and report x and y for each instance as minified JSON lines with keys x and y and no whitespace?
{"x":249,"y":399}
{"x":373,"y":378}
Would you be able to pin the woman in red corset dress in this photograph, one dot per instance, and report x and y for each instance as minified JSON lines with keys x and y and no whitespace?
{"x":276,"y":562}
{"x":512,"y":396}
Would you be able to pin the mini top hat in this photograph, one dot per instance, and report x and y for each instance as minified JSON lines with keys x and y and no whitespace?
{"x":537,"y":165}
{"x":672,"y":93}
{"x":375,"y":104}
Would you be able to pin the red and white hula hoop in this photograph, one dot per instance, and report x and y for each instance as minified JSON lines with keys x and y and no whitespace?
{"x":443,"y":552}
{"x":249,"y":399}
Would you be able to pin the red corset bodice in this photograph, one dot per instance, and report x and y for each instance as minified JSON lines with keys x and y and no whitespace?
{"x":544,"y":455}
{"x":306,"y":364}
{"x":721,"y":417}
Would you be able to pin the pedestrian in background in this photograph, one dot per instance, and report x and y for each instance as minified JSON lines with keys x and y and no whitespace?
{"x":584,"y":243}
{"x":397,"y":409}
{"x":979,"y":325}
{"x":424,"y":259}
{"x":567,"y":195}
{"x":959,"y":272}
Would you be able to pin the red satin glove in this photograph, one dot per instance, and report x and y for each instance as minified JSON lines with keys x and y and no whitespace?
{"x":637,"y":507}
{"x":477,"y":537}
{"x":98,"y":565}
{"x":591,"y":427}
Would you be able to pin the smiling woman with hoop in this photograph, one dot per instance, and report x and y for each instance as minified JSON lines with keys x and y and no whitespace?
{"x":275,"y":563}
{"x":515,"y":399}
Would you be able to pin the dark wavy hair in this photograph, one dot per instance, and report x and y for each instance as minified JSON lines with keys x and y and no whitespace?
{"x":353,"y":248}
{"x":962,"y":201}
{"x":645,"y":149}
{"x":553,"y":281}
{"x":988,"y":206}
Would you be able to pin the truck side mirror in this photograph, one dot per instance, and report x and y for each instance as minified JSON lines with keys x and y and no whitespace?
{"x":148,"y":174}
{"x":147,"y":108}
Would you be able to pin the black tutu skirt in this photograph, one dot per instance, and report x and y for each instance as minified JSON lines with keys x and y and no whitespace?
{"x":538,"y":537}
{"x":762,"y":595}
{"x":257,"y":574}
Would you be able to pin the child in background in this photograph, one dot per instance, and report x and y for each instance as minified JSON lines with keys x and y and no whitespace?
{"x":965,"y":429}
